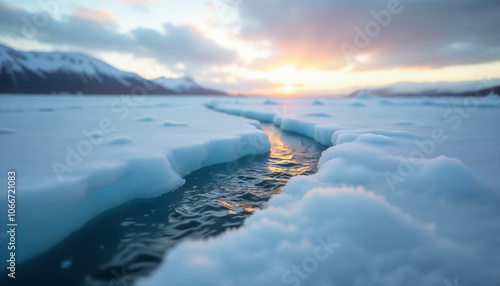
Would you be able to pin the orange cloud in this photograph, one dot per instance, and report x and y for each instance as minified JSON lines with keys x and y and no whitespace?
{"x":100,"y":16}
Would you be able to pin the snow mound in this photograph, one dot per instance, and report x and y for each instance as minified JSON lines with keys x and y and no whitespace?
{"x":329,"y":236}
{"x":403,"y":123}
{"x":147,"y":119}
{"x":363,"y":95}
{"x":317,"y":102}
{"x":6,"y":131}
{"x":270,"y":102}
{"x":357,"y":104}
{"x":173,"y":124}
{"x":120,"y":140}
{"x":45,"y":109}
{"x":342,"y":136}
{"x":319,"y":114}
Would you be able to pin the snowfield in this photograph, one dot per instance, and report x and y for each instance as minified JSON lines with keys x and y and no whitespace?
{"x":76,"y":157}
{"x":408,"y":194}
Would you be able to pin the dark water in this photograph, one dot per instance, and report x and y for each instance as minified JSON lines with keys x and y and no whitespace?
{"x":129,"y":241}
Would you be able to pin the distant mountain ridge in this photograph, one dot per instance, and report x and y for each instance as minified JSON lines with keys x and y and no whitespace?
{"x":60,"y":72}
{"x":464,"y":88}
{"x":184,"y":85}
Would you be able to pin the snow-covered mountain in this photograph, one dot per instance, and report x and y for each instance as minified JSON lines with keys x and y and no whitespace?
{"x":184,"y":85}
{"x":59,"y":72}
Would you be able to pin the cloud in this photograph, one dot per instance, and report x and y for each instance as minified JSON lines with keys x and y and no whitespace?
{"x":74,"y":30}
{"x":100,"y":16}
{"x":424,"y":33}
{"x":182,"y":44}
{"x":95,"y":30}
{"x":135,"y":2}
{"x":236,"y":85}
{"x":139,"y":5}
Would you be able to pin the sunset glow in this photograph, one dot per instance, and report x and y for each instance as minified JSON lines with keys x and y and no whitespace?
{"x":288,"y":88}
{"x":232,"y":47}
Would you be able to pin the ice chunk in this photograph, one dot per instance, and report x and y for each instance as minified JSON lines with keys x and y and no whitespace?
{"x":270,"y":102}
{"x":121,"y":140}
{"x":6,"y":131}
{"x":173,"y":124}
{"x":147,"y":118}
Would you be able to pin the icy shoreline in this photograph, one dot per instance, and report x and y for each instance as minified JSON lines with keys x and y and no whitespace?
{"x":78,"y":157}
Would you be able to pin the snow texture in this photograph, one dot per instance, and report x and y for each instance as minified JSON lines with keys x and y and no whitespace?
{"x":407,"y":194}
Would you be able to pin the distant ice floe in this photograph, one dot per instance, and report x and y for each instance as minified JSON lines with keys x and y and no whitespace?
{"x":120,"y":140}
{"x":46,"y":109}
{"x":363,"y":95}
{"x":6,"y":131}
{"x":270,"y":102}
{"x":317,"y":102}
{"x":173,"y":124}
{"x":147,"y":119}
{"x":357,"y":104}
{"x":403,"y":123}
{"x":490,"y":101}
{"x":318,"y":114}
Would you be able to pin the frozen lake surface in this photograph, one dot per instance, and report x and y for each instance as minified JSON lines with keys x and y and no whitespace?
{"x":407,"y":192}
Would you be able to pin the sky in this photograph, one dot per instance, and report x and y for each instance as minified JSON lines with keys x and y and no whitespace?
{"x":270,"y":47}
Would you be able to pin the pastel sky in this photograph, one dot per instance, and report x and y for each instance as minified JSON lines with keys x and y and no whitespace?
{"x":278,"y":47}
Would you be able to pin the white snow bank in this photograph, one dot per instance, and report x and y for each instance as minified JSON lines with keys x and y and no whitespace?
{"x":391,"y":204}
{"x":91,"y":154}
{"x":459,"y":119}
{"x":329,"y":236}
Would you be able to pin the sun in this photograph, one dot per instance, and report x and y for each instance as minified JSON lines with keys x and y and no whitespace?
{"x":362,"y":58}
{"x":288,"y":88}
